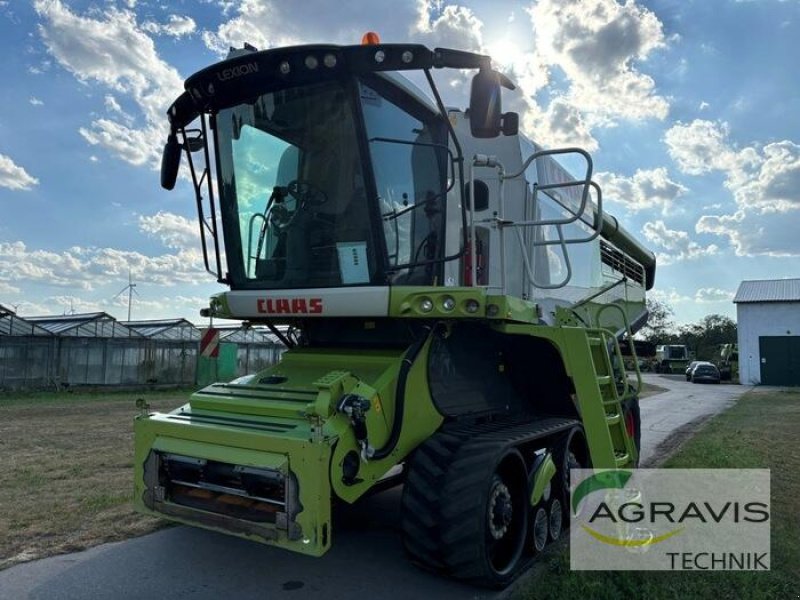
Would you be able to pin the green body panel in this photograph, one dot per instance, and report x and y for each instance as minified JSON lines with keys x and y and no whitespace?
{"x":292,"y":427}
{"x":293,"y":450}
{"x":285,"y":419}
{"x":541,"y":478}
{"x":289,"y":424}
{"x":574,"y":347}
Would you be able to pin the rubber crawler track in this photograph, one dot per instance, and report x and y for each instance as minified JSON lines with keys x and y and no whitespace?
{"x":442,"y":494}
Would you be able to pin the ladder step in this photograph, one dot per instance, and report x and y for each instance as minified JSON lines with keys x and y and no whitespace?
{"x":613,"y":419}
{"x":604,"y":380}
{"x":622,"y":458}
{"x":595,"y":341}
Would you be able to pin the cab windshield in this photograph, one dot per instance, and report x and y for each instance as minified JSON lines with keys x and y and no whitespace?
{"x":293,"y":198}
{"x":299,"y":209}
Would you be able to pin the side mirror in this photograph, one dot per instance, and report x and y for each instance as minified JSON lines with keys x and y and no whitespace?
{"x":485,"y":105}
{"x":170,"y":162}
{"x":510,"y":123}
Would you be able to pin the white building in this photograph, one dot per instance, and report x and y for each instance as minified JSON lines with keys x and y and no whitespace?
{"x":768,"y":319}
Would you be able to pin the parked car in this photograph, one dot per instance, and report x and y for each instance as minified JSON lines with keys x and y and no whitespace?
{"x":705,"y":372}
{"x":691,"y":366}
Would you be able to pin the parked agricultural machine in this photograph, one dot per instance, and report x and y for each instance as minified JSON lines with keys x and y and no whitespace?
{"x":672,"y":358}
{"x":452,"y":299}
{"x":728,"y":362}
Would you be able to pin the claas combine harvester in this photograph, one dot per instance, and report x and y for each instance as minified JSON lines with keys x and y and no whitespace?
{"x":451,"y":298}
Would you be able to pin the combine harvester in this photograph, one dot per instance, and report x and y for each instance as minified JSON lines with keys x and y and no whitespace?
{"x":672,"y":358}
{"x":451,"y":297}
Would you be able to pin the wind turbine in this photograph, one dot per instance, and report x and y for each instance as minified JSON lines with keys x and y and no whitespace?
{"x":131,"y":288}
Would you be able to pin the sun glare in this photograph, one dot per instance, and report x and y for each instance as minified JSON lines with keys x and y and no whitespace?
{"x":505,"y":51}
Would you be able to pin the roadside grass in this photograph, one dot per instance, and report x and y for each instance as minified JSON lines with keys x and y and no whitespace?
{"x":760,"y":431}
{"x":649,"y":389}
{"x":67,"y":477}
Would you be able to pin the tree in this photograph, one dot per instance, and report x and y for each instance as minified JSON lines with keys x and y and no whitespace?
{"x":660,"y":326}
{"x":706,"y":336}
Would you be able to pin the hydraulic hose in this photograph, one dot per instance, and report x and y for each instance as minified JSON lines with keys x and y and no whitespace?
{"x":400,"y":398}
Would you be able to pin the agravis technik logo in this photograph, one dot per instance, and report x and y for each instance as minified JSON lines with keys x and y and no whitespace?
{"x":671,"y":519}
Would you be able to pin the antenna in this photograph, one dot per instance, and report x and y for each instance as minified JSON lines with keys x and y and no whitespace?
{"x":131,"y":288}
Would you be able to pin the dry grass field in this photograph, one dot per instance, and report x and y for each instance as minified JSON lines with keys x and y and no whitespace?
{"x":66,"y":476}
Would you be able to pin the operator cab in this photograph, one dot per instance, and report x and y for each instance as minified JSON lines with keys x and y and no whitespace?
{"x":331,"y":171}
{"x":332,"y":184}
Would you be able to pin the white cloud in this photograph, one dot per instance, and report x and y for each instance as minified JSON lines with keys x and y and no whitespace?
{"x":647,"y":189}
{"x":676,"y":244}
{"x":144,"y":306}
{"x":135,"y":146}
{"x":454,"y":27}
{"x":87,"y":268}
{"x":176,"y":26}
{"x":7,"y":288}
{"x":111,"y":49}
{"x":268,"y":23}
{"x":597,"y":44}
{"x":173,"y":230}
{"x":35,"y":101}
{"x":13,"y":176}
{"x":764,"y":182}
{"x":561,"y":124}
{"x":710,"y":295}
{"x":111,"y":104}
{"x":670,"y":296}
{"x":701,"y":147}
{"x":254,"y":24}
{"x":753,"y":233}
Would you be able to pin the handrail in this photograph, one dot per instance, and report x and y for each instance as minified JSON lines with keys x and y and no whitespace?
{"x":600,"y":292}
{"x":501,"y":223}
{"x":628,"y":392}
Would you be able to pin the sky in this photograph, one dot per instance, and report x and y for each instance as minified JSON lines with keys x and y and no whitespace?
{"x":689,"y":107}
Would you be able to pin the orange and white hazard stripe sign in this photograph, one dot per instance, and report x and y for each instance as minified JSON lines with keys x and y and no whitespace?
{"x":209,"y":343}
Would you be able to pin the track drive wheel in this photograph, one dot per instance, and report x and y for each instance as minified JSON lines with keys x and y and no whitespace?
{"x":474,"y":523}
{"x":485,"y":533}
{"x":571,"y":452}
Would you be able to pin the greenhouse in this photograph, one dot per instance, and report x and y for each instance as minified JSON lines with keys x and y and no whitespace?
{"x":95,"y":349}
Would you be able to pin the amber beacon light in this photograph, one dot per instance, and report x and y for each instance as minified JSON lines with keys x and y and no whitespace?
{"x":370,"y":39}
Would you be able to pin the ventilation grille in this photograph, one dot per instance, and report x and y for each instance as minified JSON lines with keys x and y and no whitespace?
{"x":621,"y":263}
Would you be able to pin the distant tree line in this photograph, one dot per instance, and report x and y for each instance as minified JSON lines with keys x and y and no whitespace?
{"x":703,"y":338}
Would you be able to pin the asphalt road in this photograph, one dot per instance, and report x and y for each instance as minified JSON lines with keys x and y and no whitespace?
{"x":683,"y":406}
{"x":366,"y":559}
